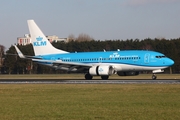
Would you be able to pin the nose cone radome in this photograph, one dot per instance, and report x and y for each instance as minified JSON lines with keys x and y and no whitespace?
{"x":170,"y":62}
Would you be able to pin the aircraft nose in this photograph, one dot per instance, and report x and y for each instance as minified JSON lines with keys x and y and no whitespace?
{"x":170,"y":62}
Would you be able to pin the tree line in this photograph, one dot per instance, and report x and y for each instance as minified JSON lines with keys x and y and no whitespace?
{"x":14,"y":65}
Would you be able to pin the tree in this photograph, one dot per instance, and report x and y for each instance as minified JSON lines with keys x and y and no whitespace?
{"x":71,"y":37}
{"x":2,"y":48}
{"x":10,"y":60}
{"x":83,"y":37}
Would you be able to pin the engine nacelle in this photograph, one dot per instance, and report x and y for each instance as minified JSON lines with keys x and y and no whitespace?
{"x":101,"y":70}
{"x":129,"y":73}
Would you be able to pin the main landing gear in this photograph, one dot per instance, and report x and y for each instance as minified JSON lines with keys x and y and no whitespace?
{"x":154,"y":77}
{"x":105,"y":77}
{"x":89,"y":77}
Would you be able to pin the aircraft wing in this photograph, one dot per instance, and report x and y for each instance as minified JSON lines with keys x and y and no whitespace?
{"x":69,"y":66}
{"x":56,"y":62}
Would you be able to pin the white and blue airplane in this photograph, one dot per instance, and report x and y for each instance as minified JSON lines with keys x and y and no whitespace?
{"x":104,"y":64}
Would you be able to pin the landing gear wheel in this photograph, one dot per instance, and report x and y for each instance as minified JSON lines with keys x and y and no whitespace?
{"x":154,"y":77}
{"x":88,"y":77}
{"x":105,"y":77}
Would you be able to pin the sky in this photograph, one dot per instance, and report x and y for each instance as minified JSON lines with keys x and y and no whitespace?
{"x":100,"y":19}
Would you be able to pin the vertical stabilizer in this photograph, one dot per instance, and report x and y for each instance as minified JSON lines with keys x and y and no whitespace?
{"x":40,"y":43}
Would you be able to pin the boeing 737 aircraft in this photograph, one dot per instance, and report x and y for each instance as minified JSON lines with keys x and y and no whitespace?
{"x":104,"y":64}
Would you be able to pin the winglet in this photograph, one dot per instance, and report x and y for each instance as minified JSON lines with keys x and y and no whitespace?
{"x":19,"y":52}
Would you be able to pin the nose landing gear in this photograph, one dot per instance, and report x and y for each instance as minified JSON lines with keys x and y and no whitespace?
{"x":154,"y":77}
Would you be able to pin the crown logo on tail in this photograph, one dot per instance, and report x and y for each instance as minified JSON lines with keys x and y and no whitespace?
{"x":39,"y":38}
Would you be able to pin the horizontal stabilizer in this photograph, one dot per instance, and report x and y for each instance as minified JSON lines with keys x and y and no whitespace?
{"x":19,"y":52}
{"x":21,"y":55}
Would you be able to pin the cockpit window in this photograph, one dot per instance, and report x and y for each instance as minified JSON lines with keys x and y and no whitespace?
{"x":161,"y":56}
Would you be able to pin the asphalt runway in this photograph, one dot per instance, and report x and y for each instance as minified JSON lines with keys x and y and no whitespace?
{"x":71,"y":81}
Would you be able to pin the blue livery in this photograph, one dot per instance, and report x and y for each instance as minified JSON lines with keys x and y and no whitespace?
{"x":104,"y":64}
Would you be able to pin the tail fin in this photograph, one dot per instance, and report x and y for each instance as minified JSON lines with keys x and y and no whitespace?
{"x":40,"y":43}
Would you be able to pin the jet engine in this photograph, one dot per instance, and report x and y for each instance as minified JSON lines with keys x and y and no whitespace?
{"x":129,"y":73}
{"x":101,"y":70}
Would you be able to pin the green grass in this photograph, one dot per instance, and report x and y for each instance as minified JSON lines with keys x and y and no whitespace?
{"x":89,"y":102}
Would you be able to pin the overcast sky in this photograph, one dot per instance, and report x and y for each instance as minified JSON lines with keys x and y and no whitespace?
{"x":100,"y":19}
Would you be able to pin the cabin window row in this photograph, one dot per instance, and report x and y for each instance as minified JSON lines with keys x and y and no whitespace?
{"x":127,"y":58}
{"x":100,"y":59}
{"x":71,"y":60}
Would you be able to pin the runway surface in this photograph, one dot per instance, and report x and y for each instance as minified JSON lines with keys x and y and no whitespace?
{"x":71,"y":81}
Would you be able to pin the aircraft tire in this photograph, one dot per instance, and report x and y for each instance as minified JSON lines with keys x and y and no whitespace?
{"x":88,"y":76}
{"x":105,"y":77}
{"x":154,"y":77}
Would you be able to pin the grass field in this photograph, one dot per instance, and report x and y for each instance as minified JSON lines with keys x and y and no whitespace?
{"x":81,"y":76}
{"x":89,"y":101}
